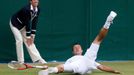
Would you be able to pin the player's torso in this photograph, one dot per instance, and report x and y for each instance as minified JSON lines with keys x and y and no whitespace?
{"x":81,"y":64}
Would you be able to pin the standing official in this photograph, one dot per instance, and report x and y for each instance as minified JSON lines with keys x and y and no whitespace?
{"x":23,"y":25}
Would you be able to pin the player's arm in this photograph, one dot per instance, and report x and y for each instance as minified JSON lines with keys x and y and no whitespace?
{"x":107,"y":69}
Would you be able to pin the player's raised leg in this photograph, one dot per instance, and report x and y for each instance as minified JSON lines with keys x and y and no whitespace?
{"x":93,"y":50}
{"x":104,"y":30}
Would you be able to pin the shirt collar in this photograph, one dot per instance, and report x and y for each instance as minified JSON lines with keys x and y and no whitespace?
{"x":36,"y":9}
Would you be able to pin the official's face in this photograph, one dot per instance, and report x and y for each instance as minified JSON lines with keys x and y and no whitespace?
{"x":34,"y":3}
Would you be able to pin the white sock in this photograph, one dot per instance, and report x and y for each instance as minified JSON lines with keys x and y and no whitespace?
{"x":53,"y":70}
{"x":107,"y":25}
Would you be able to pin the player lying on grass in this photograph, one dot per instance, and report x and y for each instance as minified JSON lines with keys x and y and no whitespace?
{"x":82,"y":64}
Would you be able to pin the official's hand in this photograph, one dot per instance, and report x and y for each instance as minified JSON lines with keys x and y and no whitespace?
{"x":29,"y":41}
{"x":32,"y":37}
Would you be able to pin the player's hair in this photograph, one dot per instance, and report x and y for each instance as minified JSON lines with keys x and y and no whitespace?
{"x":76,"y":44}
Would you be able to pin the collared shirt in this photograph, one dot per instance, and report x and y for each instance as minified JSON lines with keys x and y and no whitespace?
{"x":26,"y":17}
{"x":36,"y":9}
{"x":34,"y":12}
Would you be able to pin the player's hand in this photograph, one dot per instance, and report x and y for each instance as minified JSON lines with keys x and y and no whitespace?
{"x":117,"y":72}
{"x":29,"y":41}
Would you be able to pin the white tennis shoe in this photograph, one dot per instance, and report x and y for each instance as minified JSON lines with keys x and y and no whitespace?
{"x":111,"y":17}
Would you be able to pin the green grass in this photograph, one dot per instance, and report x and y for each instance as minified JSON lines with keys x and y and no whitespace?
{"x":126,"y":68}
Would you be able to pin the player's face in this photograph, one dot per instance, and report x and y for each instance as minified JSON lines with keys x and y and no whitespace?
{"x":34,"y":3}
{"x":77,"y":50}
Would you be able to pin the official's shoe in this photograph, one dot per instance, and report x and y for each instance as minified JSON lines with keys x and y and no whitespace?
{"x":40,"y":61}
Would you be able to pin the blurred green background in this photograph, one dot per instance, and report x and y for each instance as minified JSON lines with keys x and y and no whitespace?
{"x":63,"y":23}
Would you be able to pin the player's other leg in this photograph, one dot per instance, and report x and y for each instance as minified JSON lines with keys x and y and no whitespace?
{"x":58,"y":69}
{"x":61,"y":68}
{"x":93,"y":50}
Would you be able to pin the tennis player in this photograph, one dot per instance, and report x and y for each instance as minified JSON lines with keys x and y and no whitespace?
{"x":82,"y":64}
